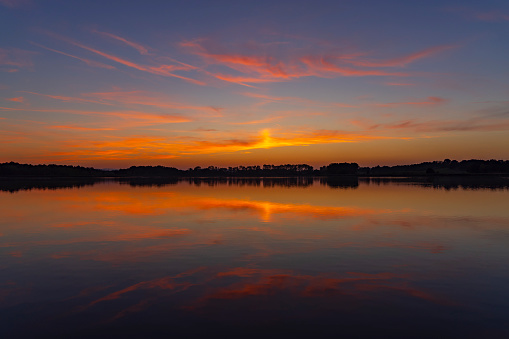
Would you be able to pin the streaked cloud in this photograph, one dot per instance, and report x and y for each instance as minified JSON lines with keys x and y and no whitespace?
{"x":81,"y":128}
{"x":399,"y":84}
{"x":128,"y":99}
{"x":148,"y":99}
{"x":483,"y":123}
{"x":131,"y":118}
{"x":325,"y":67}
{"x":87,"y":61}
{"x":267,"y":66}
{"x":143,"y":50}
{"x":404,"y":60}
{"x":16,"y":58}
{"x":424,"y":102}
{"x":260,"y":121}
{"x":480,"y":15}
{"x":161,"y":69}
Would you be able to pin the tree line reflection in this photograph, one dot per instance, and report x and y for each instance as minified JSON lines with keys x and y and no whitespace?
{"x":347,"y":182}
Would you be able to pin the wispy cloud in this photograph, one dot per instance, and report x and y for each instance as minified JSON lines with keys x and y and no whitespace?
{"x":264,"y":99}
{"x":483,"y":123}
{"x":66,"y":98}
{"x":148,"y":99}
{"x":15,"y":3}
{"x":129,"y":99}
{"x":130,"y":118}
{"x":473,"y":14}
{"x":404,"y":60}
{"x":325,"y":67}
{"x":492,"y":16}
{"x":87,"y":61}
{"x":399,"y":84}
{"x":81,"y":128}
{"x":474,"y":124}
{"x":143,"y":50}
{"x":266,"y":65}
{"x":17,"y":58}
{"x":260,"y":121}
{"x":425,"y":102}
{"x":161,"y":69}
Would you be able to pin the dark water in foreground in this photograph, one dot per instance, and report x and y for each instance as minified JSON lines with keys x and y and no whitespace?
{"x":254,"y":258}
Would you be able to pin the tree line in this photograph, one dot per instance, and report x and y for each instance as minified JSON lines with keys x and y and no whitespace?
{"x":445,"y":167}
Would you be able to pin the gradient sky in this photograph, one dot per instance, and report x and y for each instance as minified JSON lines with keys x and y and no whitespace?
{"x":112,"y":84}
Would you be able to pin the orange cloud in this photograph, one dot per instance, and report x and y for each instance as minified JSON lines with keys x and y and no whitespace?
{"x":81,"y":128}
{"x":266,"y":140}
{"x":143,"y":147}
{"x":132,"y":118}
{"x":17,"y":99}
{"x":253,"y":122}
{"x":241,"y":80}
{"x":143,"y":50}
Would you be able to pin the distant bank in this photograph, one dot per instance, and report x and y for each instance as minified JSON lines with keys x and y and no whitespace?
{"x":446,"y":167}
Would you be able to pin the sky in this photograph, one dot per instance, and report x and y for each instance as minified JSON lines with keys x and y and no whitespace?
{"x":112,"y":84}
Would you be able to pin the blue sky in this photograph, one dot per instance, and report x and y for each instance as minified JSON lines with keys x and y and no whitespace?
{"x":186,"y":83}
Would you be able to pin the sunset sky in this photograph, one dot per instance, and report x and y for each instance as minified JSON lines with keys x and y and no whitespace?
{"x":111,"y":84}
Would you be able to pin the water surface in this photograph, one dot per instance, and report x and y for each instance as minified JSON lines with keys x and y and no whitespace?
{"x":284,"y":257}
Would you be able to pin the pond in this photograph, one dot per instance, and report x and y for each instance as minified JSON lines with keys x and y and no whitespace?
{"x":285,"y":257}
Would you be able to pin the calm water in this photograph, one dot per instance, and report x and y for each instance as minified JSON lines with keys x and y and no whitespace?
{"x":262,"y":258}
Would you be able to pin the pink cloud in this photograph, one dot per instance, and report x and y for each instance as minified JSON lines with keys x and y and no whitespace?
{"x":266,"y":66}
